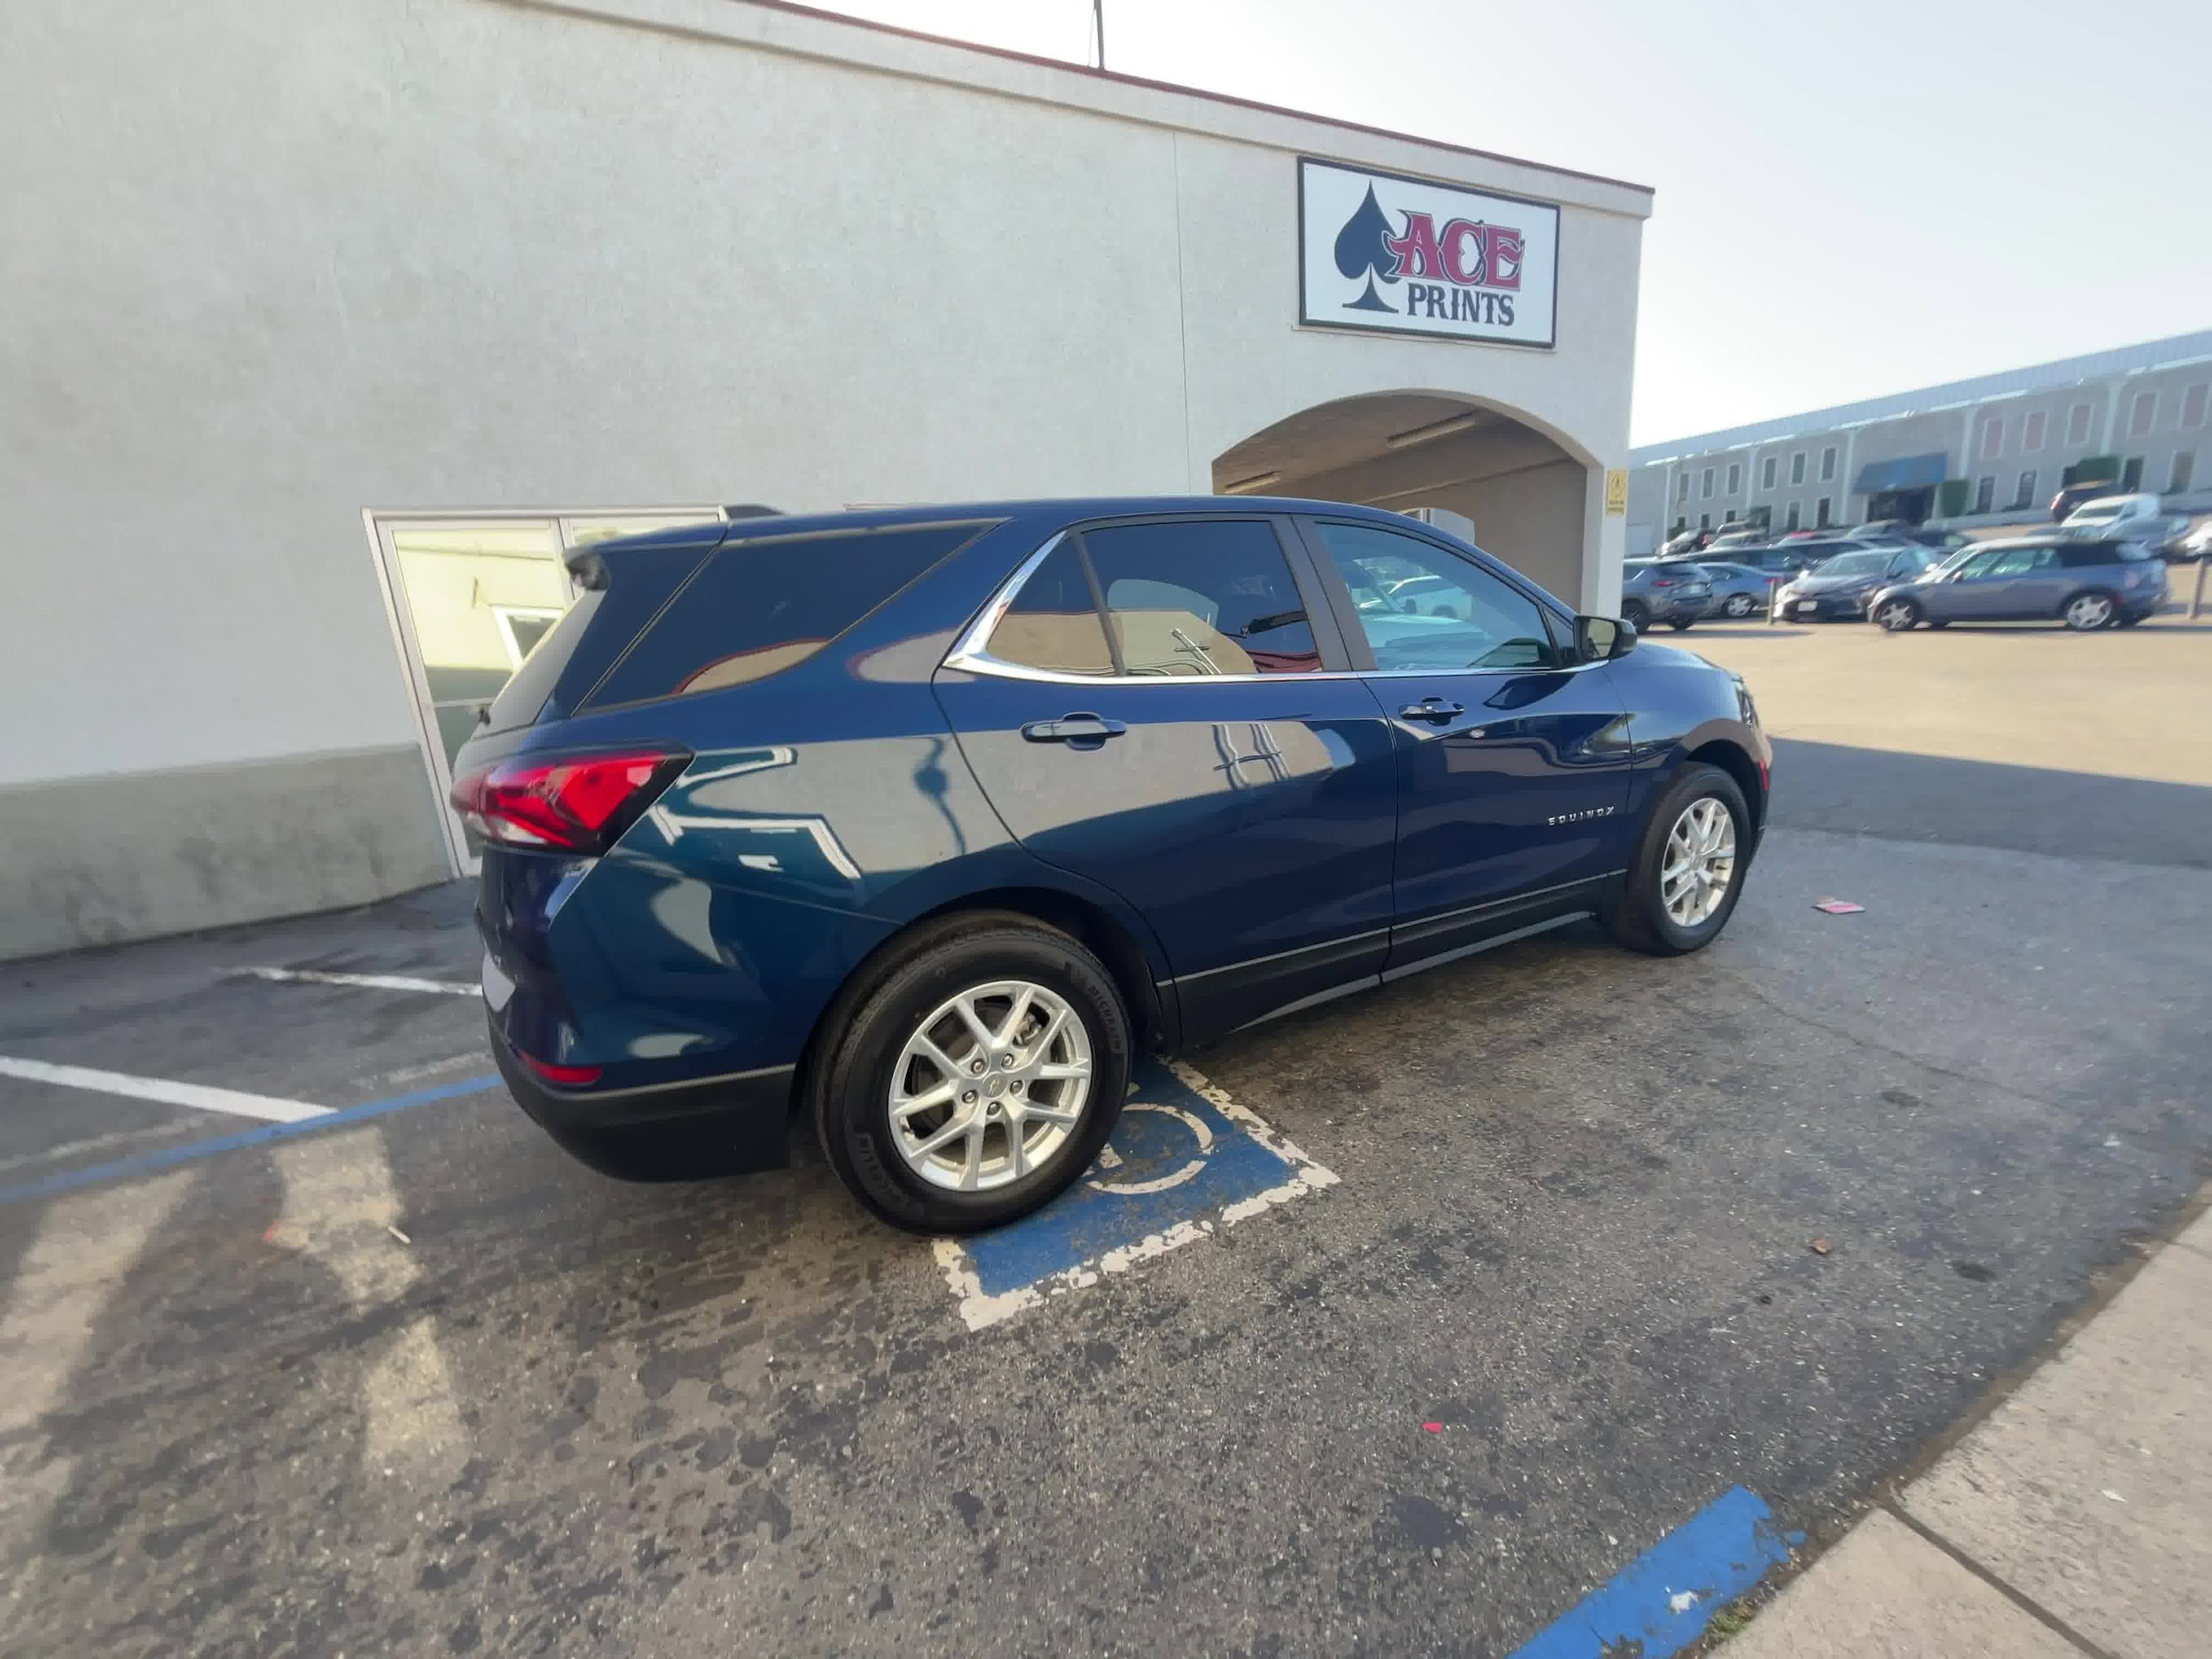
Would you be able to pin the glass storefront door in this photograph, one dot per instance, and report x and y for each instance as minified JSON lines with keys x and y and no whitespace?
{"x":469,"y":597}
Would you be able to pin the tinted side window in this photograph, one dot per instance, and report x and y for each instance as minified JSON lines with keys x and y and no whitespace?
{"x":2021,"y":560}
{"x":1463,"y":617}
{"x":762,"y":605}
{"x":1053,"y":623}
{"x":1202,"y":596}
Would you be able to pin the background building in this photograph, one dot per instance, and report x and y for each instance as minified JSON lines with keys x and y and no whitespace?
{"x":1986,"y":451}
{"x":331,"y":326}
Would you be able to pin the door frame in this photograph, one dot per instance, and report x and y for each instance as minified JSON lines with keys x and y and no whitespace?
{"x":378,"y":523}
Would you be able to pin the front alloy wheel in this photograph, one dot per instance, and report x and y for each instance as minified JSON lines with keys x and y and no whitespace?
{"x":1700,"y":863}
{"x":1898,"y":615}
{"x":1687,"y":875}
{"x":991,"y":1085}
{"x":1738,"y":604}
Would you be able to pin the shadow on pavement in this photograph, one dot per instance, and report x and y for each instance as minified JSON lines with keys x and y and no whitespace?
{"x":2028,"y":809}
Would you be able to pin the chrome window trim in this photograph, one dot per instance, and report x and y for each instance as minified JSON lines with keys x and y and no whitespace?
{"x":970,"y":657}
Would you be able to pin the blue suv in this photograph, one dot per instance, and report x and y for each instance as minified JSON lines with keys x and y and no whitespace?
{"x":926,"y":824}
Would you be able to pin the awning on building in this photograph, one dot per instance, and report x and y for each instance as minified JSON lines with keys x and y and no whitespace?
{"x":1907,"y":471}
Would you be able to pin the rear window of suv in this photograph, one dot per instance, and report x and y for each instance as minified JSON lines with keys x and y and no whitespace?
{"x":765,"y":604}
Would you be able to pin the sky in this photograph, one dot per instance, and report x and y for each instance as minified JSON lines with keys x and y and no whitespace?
{"x":1852,"y":199}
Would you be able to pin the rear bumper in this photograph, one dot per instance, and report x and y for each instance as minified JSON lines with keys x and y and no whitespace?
{"x":1665,"y":608}
{"x":1822,"y":608}
{"x":747,"y":1113}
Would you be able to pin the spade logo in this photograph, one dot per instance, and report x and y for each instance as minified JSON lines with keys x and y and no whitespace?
{"x":1362,"y":249}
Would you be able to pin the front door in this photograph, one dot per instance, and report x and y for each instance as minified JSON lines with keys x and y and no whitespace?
{"x":1183,"y":749}
{"x":2003,"y":582}
{"x":2028,"y":583}
{"x":1513,"y":762}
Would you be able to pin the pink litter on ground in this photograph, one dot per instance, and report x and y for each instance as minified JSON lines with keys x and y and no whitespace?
{"x":1433,"y":1428}
{"x":1839,"y":907}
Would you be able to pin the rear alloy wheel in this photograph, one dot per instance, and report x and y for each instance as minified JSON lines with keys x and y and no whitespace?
{"x":977,"y":1076}
{"x":1688,"y":870}
{"x":1738,"y":606}
{"x":2086,"y":612}
{"x":1636,"y":614}
{"x":1897,"y":616}
{"x":990,"y":1085}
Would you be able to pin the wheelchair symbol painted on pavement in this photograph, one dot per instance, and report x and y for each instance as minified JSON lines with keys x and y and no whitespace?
{"x":1185,"y":1162}
{"x":1110,"y":1159}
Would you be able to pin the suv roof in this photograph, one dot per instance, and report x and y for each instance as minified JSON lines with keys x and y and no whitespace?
{"x":754,"y":522}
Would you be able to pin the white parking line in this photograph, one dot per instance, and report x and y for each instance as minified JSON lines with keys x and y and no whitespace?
{"x":169,"y":1091}
{"x":366,"y":981}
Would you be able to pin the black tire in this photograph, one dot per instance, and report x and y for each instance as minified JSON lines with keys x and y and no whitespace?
{"x":1636,"y":613}
{"x":1637,"y":916}
{"x":2091,"y":608}
{"x":1680,"y":626}
{"x":1897,"y":616}
{"x":850,"y":1087}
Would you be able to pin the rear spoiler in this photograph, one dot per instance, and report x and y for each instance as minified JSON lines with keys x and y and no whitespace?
{"x":584,"y":564}
{"x":590,"y":570}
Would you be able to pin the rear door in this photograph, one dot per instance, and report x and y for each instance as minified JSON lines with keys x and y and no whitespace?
{"x":1512,"y":759}
{"x":1152,"y":709}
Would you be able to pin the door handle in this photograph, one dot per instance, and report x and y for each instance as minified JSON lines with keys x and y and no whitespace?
{"x":1433,"y":709}
{"x":1073,"y":728}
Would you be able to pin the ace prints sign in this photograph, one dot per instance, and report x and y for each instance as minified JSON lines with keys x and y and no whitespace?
{"x":1403,"y":256}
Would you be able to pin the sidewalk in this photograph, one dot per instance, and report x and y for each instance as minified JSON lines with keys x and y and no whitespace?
{"x":2076,"y":1519}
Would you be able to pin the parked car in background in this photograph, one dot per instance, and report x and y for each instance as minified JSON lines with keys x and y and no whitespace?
{"x":2196,"y":545}
{"x":1837,"y":589}
{"x":1731,"y":541}
{"x":926,"y":826}
{"x":1790,"y":558}
{"x":2073,"y":496}
{"x":1676,"y":592}
{"x":2137,"y":517}
{"x":1739,"y":590}
{"x":1922,"y":535}
{"x":2085,"y":584}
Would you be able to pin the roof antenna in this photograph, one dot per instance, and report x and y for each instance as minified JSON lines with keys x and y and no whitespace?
{"x":1098,"y":25}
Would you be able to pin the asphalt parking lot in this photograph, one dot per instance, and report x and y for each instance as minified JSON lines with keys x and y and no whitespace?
{"x":1480,"y":1287}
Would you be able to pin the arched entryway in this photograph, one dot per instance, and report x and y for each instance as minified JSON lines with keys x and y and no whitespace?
{"x":1521,"y":493}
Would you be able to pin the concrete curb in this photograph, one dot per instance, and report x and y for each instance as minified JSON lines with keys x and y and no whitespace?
{"x":2071,"y":1515}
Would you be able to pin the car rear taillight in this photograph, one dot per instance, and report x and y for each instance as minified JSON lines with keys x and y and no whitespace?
{"x":580,"y":804}
{"x":1663,"y":582}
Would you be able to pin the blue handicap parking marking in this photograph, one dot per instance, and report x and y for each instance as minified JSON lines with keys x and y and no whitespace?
{"x":1661,"y":1603}
{"x":1184,"y":1161}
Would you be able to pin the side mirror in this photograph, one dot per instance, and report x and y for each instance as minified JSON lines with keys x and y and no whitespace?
{"x":1599,"y":639}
